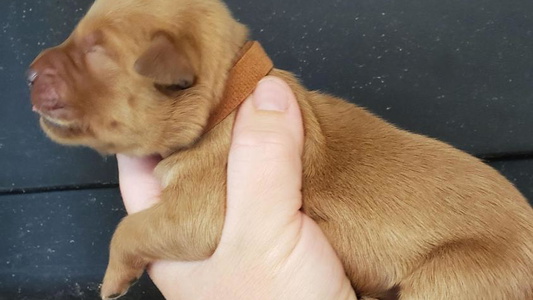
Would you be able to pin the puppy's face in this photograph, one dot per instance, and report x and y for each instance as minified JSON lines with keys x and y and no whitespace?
{"x":137,"y":77}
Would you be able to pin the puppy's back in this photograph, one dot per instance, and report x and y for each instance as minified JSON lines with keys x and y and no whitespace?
{"x":389,"y":199}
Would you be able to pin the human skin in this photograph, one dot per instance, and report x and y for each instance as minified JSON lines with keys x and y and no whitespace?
{"x":269,"y":249}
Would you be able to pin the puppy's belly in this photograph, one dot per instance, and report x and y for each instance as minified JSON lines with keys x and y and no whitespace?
{"x":373,"y":264}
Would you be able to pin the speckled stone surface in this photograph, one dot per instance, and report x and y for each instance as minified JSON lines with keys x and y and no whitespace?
{"x":460,"y":71}
{"x":55,"y":245}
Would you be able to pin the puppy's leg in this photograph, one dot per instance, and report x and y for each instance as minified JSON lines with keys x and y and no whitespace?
{"x":165,"y":231}
{"x":471,"y":270}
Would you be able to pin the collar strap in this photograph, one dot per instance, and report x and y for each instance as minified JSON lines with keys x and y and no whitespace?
{"x":250,"y":68}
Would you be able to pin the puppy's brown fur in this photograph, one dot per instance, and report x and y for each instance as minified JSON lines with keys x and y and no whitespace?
{"x":410,"y":217}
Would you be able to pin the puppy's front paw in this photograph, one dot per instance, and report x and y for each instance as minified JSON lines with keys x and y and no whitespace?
{"x":118,"y":279}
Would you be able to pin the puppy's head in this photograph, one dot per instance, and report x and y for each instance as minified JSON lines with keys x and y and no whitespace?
{"x":136,"y":76}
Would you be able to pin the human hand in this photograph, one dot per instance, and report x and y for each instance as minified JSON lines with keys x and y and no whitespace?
{"x":269,"y":249}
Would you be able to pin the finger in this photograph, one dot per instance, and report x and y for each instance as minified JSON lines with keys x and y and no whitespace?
{"x":264,"y":167}
{"x":138,"y":186}
{"x":173,"y":279}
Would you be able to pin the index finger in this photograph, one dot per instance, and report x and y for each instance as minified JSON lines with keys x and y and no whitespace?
{"x":138,"y":186}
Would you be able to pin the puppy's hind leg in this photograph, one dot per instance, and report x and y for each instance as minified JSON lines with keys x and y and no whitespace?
{"x":472,"y":270}
{"x":160,"y":232}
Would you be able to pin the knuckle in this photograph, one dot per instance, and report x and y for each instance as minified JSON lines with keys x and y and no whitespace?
{"x":263,"y":138}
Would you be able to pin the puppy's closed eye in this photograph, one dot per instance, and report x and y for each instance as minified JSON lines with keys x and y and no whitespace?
{"x":173,"y":89}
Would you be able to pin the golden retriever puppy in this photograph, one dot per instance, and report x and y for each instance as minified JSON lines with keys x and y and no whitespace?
{"x":409,"y":216}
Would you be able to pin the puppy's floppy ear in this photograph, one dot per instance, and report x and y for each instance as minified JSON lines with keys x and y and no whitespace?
{"x":167,"y":62}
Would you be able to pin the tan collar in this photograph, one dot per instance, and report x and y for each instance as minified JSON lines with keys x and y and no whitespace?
{"x":252,"y":66}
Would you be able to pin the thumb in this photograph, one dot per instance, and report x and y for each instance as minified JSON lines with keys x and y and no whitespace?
{"x":264,"y":166}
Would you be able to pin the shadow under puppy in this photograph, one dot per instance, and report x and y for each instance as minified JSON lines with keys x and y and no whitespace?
{"x":409,"y":216}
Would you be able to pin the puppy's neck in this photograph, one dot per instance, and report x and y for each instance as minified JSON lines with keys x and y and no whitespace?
{"x":253,"y":64}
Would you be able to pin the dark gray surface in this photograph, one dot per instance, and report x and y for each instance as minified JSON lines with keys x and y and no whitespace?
{"x":461,"y":71}
{"x":55,"y":245}
{"x":456,"y":70}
